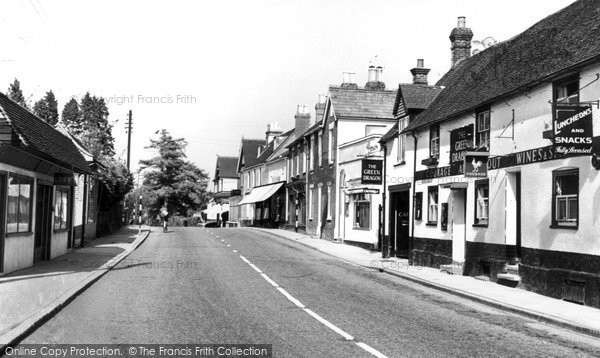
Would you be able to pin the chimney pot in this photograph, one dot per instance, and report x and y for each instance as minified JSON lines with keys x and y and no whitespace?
{"x":420,"y":63}
{"x":420,"y":73}
{"x":461,"y":22}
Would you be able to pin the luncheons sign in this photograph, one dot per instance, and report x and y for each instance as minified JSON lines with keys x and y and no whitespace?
{"x":371,"y":172}
{"x":461,"y":140}
{"x":476,"y":164}
{"x":572,"y":129}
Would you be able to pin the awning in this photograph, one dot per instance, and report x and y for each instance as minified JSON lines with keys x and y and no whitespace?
{"x":260,"y":193}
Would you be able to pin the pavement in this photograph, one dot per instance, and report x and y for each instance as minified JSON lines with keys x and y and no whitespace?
{"x":545,"y":309}
{"x":28,"y":297}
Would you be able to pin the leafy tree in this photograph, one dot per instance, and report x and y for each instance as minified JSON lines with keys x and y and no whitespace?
{"x":117,"y":181}
{"x":47,"y":108}
{"x":97,"y":132}
{"x":16,"y":94}
{"x":71,"y":117}
{"x":174,"y":181}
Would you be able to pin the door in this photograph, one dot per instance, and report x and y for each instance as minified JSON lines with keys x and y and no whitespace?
{"x":518,"y":203}
{"x":43,"y":223}
{"x":399,"y":222}
{"x":459,"y":199}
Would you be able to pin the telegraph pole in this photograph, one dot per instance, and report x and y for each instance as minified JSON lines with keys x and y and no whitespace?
{"x":129,"y":120}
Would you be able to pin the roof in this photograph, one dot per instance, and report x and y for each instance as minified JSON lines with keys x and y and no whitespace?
{"x":249,"y":152}
{"x":556,"y":44}
{"x":361,"y":103}
{"x":226,"y":167}
{"x":391,"y":134}
{"x":282,"y":150}
{"x":416,"y":96}
{"x":41,"y":137}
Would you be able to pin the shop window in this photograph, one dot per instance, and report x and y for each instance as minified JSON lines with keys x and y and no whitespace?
{"x":19,"y":204}
{"x":362,"y":211}
{"x":566,"y":92}
{"x":434,"y":141}
{"x":418,"y":206}
{"x":402,"y":123}
{"x":482,"y":204}
{"x":432,"y":204}
{"x":61,"y":208}
{"x":483,"y":129}
{"x":565,"y":203}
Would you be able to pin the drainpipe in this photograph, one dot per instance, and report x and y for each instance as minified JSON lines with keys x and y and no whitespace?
{"x":383,"y":239}
{"x":414,"y":188}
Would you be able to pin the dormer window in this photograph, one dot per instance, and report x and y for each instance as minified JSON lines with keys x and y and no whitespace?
{"x":483,"y":129}
{"x":566,"y":92}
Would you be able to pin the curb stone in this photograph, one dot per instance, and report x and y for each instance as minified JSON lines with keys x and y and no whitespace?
{"x":23,"y":329}
{"x":538,"y":316}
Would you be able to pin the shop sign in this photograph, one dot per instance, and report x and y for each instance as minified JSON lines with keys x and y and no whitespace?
{"x":371,"y":172}
{"x":476,"y":164}
{"x":64,"y":180}
{"x":461,"y":140}
{"x":572,"y":130}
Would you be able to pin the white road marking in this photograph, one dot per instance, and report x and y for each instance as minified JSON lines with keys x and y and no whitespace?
{"x":330,"y":325}
{"x":228,"y":245}
{"x":325,"y":322}
{"x":371,"y":350}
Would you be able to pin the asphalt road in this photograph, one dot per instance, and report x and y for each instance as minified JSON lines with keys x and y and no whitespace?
{"x":196,"y":285}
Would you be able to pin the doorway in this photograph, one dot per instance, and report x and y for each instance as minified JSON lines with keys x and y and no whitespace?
{"x":43,"y":222}
{"x":399,"y":223}
{"x":459,"y":218}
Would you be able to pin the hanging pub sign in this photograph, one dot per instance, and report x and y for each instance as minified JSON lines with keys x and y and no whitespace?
{"x":572,"y":130}
{"x":461,"y":140}
{"x":64,"y":180}
{"x":476,"y":164}
{"x":371,"y":172}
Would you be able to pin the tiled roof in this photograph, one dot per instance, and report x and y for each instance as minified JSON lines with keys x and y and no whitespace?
{"x":226,"y":167}
{"x":42,"y":138}
{"x":565,"y":39}
{"x":418,"y":96}
{"x":361,"y":103}
{"x":391,"y":134}
{"x":282,"y":150}
{"x":249,"y":151}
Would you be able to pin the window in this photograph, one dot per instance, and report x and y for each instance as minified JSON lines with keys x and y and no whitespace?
{"x":330,"y":144}
{"x":362,"y":211}
{"x":483,"y":129}
{"x":418,"y":206}
{"x":565,"y":203}
{"x":302,"y":164}
{"x":320,"y":156}
{"x":371,"y":129}
{"x":311,"y":196}
{"x":313,"y":146}
{"x":434,"y":141}
{"x":567,"y":91}
{"x":482,"y":205}
{"x":329,"y":204}
{"x":61,"y":208}
{"x":432,"y":212}
{"x":91,"y":204}
{"x":19,"y":204}
{"x":402,"y":123}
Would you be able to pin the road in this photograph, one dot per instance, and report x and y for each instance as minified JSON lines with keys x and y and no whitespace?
{"x":195,"y":285}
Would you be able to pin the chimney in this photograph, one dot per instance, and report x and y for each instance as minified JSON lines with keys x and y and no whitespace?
{"x":375,"y":79}
{"x":302,"y":119}
{"x":273,"y":131}
{"x":320,"y":108}
{"x":420,"y":73}
{"x":348,"y":81}
{"x":460,"y":37}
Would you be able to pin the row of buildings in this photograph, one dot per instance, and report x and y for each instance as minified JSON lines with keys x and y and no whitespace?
{"x":491,"y":172}
{"x":49,"y":189}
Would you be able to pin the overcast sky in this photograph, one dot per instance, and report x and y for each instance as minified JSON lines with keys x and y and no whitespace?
{"x":214,"y":71}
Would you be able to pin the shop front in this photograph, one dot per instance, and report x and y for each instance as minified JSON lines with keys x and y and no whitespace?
{"x":265,"y":205}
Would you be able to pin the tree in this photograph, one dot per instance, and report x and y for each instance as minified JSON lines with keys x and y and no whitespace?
{"x":174,"y":181}
{"x":96,"y":131}
{"x":47,"y":108}
{"x":16,"y":94}
{"x":71,"y":117}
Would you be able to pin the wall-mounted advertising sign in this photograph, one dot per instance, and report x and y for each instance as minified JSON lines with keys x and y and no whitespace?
{"x":372,"y":172}
{"x":572,"y":129}
{"x":64,"y":180}
{"x":461,"y":140}
{"x":476,"y":164}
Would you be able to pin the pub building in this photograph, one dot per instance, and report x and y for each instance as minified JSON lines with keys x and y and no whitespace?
{"x":507,"y":185}
{"x":38,"y":165}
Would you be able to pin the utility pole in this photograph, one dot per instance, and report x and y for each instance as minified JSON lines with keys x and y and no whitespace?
{"x":129,"y":120}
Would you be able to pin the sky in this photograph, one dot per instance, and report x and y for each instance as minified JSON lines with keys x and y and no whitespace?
{"x":214,"y":71}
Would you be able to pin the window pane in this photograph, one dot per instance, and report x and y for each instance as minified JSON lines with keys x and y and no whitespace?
{"x":64,"y":212}
{"x":572,"y":208}
{"x":13,"y":205}
{"x":561,"y":209}
{"x":57,"y":209}
{"x":24,"y":206}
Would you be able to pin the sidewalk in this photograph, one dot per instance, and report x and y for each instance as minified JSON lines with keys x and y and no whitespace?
{"x":31,"y":295}
{"x":550,"y":310}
